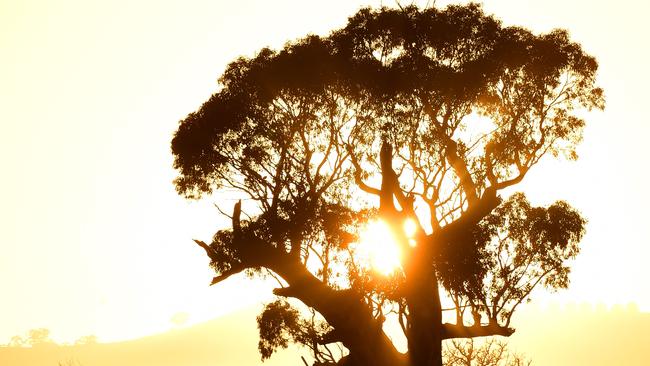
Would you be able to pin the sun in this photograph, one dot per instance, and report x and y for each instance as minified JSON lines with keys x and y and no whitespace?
{"x":378,"y":249}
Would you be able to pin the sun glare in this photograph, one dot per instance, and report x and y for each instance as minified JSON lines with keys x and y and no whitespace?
{"x":378,"y":249}
{"x":410,"y":228}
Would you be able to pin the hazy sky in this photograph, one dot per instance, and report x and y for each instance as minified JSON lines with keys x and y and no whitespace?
{"x":94,"y":239}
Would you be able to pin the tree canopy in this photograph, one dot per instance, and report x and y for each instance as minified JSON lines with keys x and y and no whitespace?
{"x":418,"y":116}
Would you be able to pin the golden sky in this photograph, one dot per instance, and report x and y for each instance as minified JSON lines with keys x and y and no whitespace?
{"x":94,"y":239}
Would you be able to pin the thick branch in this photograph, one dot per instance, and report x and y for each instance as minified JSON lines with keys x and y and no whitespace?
{"x":488,"y":201}
{"x":460,"y":168}
{"x":209,"y":251}
{"x":236,"y":214}
{"x":332,"y":336}
{"x":343,"y":309}
{"x":286,"y":291}
{"x":456,"y":162}
{"x":225,"y":274}
{"x":513,"y":181}
{"x":387,"y":179}
{"x":357,"y":175}
{"x":460,"y":331}
{"x":213,"y":257}
{"x":405,"y":201}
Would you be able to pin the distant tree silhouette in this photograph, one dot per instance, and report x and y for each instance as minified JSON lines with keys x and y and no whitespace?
{"x":70,"y":362}
{"x":406,"y":114}
{"x":490,"y":353}
{"x":17,"y":341}
{"x":86,"y":340}
{"x":35,"y":337}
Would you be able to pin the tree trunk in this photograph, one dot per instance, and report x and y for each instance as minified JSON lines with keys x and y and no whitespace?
{"x":424,"y":331}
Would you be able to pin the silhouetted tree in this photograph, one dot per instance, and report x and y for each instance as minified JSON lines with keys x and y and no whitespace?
{"x":86,"y":340}
{"x":35,"y":337}
{"x":70,"y":362}
{"x":490,"y":353}
{"x":429,"y":113}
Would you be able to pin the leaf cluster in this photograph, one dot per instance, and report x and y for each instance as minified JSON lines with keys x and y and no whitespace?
{"x":280,"y":324}
{"x":526,"y":246}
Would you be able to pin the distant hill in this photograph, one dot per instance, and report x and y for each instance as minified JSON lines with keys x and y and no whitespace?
{"x":583,"y":335}
{"x":225,"y":341}
{"x":552,"y":337}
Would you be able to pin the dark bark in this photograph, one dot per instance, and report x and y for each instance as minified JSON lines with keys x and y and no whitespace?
{"x":423,"y":332}
{"x":345,"y":311}
{"x":459,"y":331}
{"x":425,"y":313}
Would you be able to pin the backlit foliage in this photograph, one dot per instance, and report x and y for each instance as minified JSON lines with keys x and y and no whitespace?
{"x":430,"y":112}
